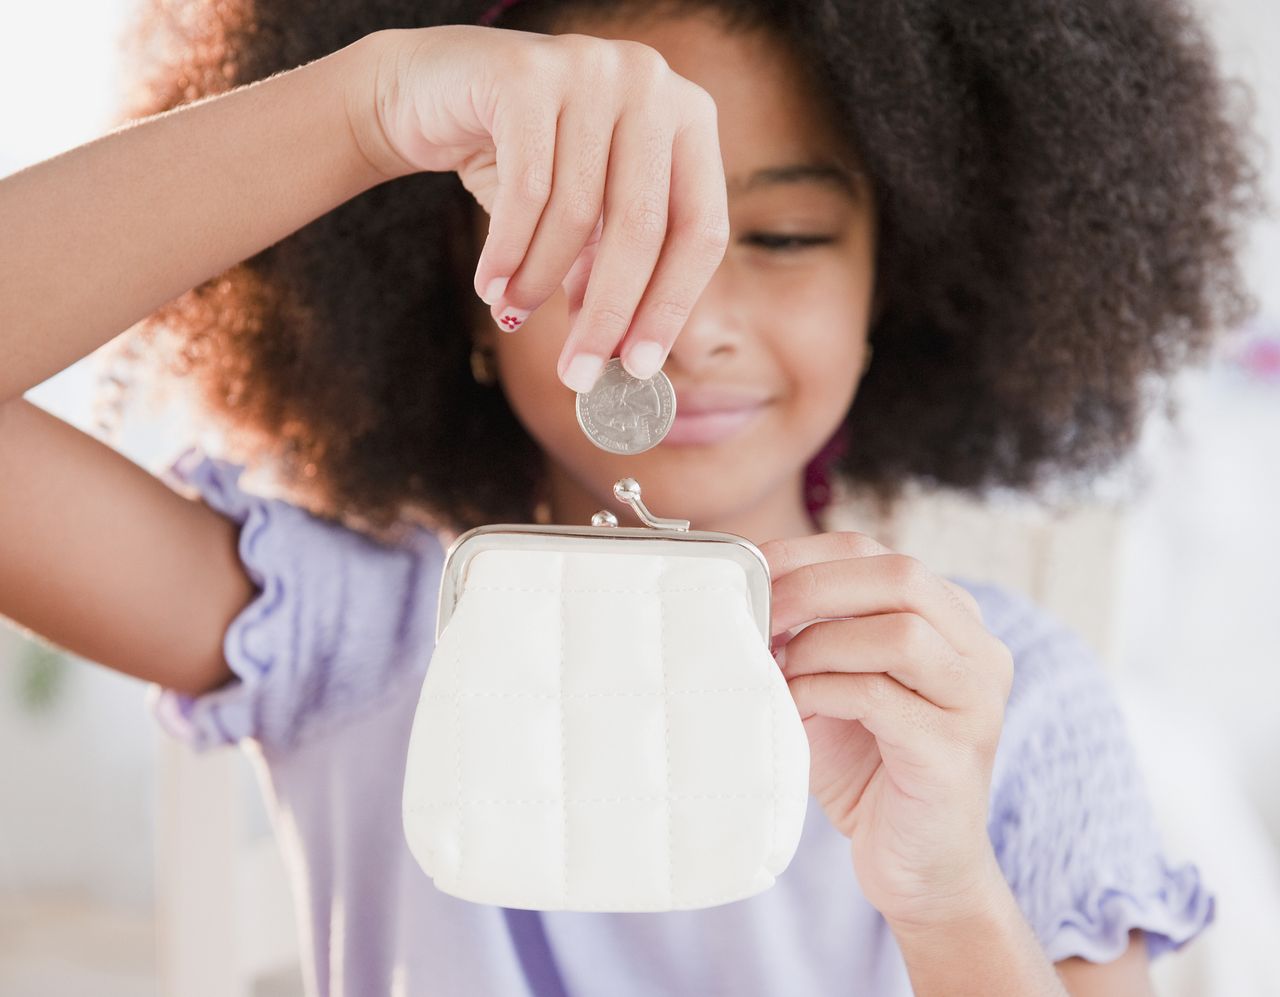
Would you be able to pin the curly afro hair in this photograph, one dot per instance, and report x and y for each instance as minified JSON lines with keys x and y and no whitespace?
{"x":1060,"y":186}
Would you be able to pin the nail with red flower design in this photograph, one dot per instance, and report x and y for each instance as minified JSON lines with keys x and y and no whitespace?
{"x":510,"y":319}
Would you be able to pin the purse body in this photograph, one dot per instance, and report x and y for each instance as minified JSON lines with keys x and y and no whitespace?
{"x":602,"y":726}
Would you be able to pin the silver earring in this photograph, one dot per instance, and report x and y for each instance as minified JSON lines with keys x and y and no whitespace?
{"x":482,"y":366}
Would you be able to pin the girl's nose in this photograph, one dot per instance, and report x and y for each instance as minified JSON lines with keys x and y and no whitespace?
{"x":711,"y":335}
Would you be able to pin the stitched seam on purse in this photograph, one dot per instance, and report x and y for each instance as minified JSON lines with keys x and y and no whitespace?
{"x":564,"y":772}
{"x":605,"y":693}
{"x":772,"y":702}
{"x":458,"y":735}
{"x":666,"y":739}
{"x":728,"y":589}
{"x":776,"y":796}
{"x":649,"y":798}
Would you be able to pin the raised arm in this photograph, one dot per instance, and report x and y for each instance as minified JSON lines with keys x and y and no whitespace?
{"x":96,"y":554}
{"x":97,"y":238}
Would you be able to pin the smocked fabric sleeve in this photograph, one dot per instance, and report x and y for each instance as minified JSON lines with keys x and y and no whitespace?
{"x":338,"y":620}
{"x":1073,"y":828}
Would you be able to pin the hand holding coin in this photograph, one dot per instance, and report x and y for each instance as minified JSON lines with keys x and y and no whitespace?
{"x":625,"y":414}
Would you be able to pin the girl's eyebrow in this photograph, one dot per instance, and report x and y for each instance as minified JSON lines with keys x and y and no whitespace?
{"x":829,"y":174}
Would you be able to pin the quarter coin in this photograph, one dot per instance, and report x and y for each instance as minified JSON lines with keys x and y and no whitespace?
{"x":624,"y":414}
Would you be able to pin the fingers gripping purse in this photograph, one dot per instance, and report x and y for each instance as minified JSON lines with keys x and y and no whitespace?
{"x":602,"y":726}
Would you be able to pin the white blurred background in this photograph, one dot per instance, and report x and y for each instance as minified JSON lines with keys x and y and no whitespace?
{"x":1188,"y":620}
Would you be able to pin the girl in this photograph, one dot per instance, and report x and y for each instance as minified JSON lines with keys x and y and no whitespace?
{"x":1026,"y":208}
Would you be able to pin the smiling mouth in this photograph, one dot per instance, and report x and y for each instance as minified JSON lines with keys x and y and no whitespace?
{"x":712,"y":426}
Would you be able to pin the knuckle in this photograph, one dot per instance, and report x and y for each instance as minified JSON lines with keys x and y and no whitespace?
{"x":807,"y":580}
{"x":955,"y":669}
{"x":645,"y":222}
{"x":607,"y":60}
{"x":709,"y":234}
{"x":911,"y":635}
{"x":670,"y":311}
{"x":778,"y":553}
{"x":855,"y":544}
{"x":579,"y":210}
{"x":963,"y":598}
{"x":715,"y":231}
{"x":609,"y":321}
{"x":535,"y":182}
{"x":907,"y":572}
{"x":588,"y":56}
{"x":530,"y":59}
{"x":656,"y":62}
{"x":647,"y":61}
{"x":879,"y":689}
{"x":771,"y":546}
{"x":807,"y":687}
{"x":630,"y":64}
{"x":577,"y":44}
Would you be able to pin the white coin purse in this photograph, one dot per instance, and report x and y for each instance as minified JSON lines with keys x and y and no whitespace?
{"x":602,"y":726}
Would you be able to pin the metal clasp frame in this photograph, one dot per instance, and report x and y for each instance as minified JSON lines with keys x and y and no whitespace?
{"x":628,"y":490}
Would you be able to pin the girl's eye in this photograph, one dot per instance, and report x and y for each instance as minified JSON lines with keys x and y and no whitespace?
{"x":786,"y":242}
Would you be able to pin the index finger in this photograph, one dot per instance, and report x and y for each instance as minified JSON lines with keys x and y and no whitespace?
{"x":785,"y":556}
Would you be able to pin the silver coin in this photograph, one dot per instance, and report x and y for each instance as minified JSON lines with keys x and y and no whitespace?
{"x":624,"y":414}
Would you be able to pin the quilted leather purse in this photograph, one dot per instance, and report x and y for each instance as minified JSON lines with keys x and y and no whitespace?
{"x":601,"y":726}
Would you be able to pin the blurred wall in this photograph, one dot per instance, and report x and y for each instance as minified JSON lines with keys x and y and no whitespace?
{"x":76,"y":799}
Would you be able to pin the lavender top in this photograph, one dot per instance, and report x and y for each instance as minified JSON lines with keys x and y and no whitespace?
{"x":330,"y":655}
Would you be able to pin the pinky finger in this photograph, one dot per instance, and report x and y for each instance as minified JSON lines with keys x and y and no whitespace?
{"x":525,"y":144}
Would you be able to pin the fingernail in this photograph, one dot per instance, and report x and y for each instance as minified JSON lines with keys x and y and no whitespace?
{"x":493,"y":290}
{"x":511,"y":319}
{"x":643,"y":360}
{"x":583,"y":371}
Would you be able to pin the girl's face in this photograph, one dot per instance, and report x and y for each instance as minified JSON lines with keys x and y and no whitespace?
{"x":784,"y":318}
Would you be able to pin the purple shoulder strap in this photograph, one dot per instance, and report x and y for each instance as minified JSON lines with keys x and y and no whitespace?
{"x":534,"y":950}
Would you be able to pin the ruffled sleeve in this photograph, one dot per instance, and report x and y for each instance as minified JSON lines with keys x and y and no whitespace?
{"x":1073,"y":828}
{"x":338,"y":621}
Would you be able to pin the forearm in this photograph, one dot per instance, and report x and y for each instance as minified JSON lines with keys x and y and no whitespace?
{"x":991,"y":951}
{"x":98,"y":237}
